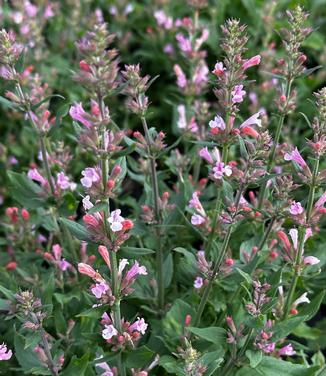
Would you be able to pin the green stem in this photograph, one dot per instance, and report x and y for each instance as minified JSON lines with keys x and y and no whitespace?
{"x":220,"y":259}
{"x":156,"y":201}
{"x":302,"y":231}
{"x":272,"y":155}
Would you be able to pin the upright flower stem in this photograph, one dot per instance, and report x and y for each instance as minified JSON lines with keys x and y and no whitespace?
{"x":302,"y":233}
{"x":271,"y":158}
{"x":112,"y":254}
{"x":156,"y":200}
{"x":220,"y":259}
{"x":40,"y":134}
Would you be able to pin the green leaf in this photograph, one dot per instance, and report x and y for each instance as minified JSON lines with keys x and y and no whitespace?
{"x":211,"y":334}
{"x":255,"y":357}
{"x":245,"y":276}
{"x":270,"y":366}
{"x":7,"y":103}
{"x":171,"y":365}
{"x":77,"y":366}
{"x":134,"y":252}
{"x":139,"y":358}
{"x":310,"y":310}
{"x":283,"y":328}
{"x":168,"y":270}
{"x":76,"y":229}
{"x":26,"y":192}
{"x":37,"y":105}
{"x":26,"y":357}
{"x":7,"y":293}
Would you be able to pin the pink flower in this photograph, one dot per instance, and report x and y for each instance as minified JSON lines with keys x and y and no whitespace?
{"x":200,"y":75}
{"x":218,"y":69}
{"x":253,"y":120}
{"x":87,"y":203}
{"x":197,"y":220}
{"x":106,"y":368}
{"x":267,"y":348}
{"x":135,"y":270}
{"x":205,"y":154}
{"x":87,"y":270}
{"x":5,"y":354}
{"x":116,"y":220}
{"x":30,"y":9}
{"x":99,"y":289}
{"x":198,"y":283}
{"x":90,"y":177}
{"x":109,"y":332}
{"x":103,"y":251}
{"x":48,"y":12}
{"x":199,"y":41}
{"x":296,"y":157}
{"x":184,"y":43}
{"x":286,"y":350}
{"x":221,"y":169}
{"x":182,"y":121}
{"x":63,"y":181}
{"x":163,"y":20}
{"x":255,"y":60}
{"x":78,"y":114}
{"x":296,"y":208}
{"x":139,"y":325}
{"x":168,"y":49}
{"x":321,"y":201}
{"x":238,"y":94}
{"x":181,"y":78}
{"x":64,"y":265}
{"x":194,"y":201}
{"x":33,"y":174}
{"x":218,"y":122}
{"x":311,"y":260}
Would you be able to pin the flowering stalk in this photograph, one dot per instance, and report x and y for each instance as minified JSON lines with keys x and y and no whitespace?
{"x":156,"y":199}
{"x":293,"y":39}
{"x":221,"y":256}
{"x":318,"y":148}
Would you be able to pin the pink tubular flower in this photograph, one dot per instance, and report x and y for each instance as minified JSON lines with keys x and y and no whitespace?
{"x":286,"y":350}
{"x":139,"y":325}
{"x":99,"y":289}
{"x":205,"y":154}
{"x":90,"y":176}
{"x":106,"y":368}
{"x":197,"y":220}
{"x":311,"y":260}
{"x":63,"y":181}
{"x":221,"y":169}
{"x":238,"y":94}
{"x":77,"y":113}
{"x":218,"y":122}
{"x":296,"y":157}
{"x":320,"y":203}
{"x":5,"y":354}
{"x":194,"y":202}
{"x":255,"y":60}
{"x":198,"y":283}
{"x":103,"y":251}
{"x":109,"y":331}
{"x":135,"y":270}
{"x":184,"y":43}
{"x":296,"y":208}
{"x":253,"y":120}
{"x":200,"y":75}
{"x":33,"y":174}
{"x":116,"y":221}
{"x":219,"y":69}
{"x":87,"y":270}
{"x":87,"y":203}
{"x":181,"y":78}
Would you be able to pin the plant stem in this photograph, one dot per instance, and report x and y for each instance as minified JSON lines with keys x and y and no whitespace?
{"x":41,"y":136}
{"x":271,"y":158}
{"x":156,"y":201}
{"x":112,"y":254}
{"x":302,"y":232}
{"x":220,"y":259}
{"x":47,"y":351}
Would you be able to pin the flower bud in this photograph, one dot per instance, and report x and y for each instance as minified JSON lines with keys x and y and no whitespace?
{"x":25,"y":214}
{"x":12,"y":265}
{"x":84,"y":66}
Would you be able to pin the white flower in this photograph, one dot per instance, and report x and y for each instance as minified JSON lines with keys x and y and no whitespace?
{"x":116,"y":220}
{"x":303,"y":299}
{"x":109,"y":332}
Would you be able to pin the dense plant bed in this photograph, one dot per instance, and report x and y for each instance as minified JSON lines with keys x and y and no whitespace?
{"x":162,"y":188}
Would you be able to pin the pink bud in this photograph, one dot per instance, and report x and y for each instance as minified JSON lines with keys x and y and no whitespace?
{"x":187,"y":320}
{"x":103,"y":251}
{"x":229,"y":262}
{"x":84,"y":66}
{"x":90,"y":220}
{"x":25,"y":214}
{"x":249,"y":131}
{"x":87,"y":270}
{"x":127,"y":224}
{"x":255,"y":60}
